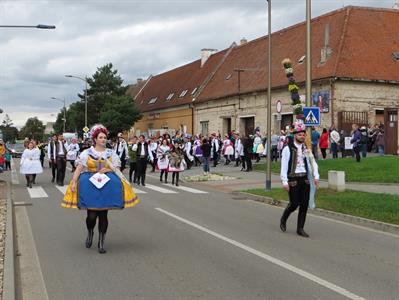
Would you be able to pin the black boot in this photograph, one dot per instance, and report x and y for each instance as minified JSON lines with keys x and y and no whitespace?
{"x":283,"y":225}
{"x":166,"y":178}
{"x":89,"y":239}
{"x":101,"y":243}
{"x":302,"y":232}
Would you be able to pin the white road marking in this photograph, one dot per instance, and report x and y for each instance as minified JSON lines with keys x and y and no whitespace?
{"x":137,"y":191}
{"x":37,"y":192}
{"x":14,"y":174}
{"x":159,"y":189}
{"x":186,"y":189}
{"x":310,"y":214}
{"x":269,"y":258}
{"x":62,"y":189}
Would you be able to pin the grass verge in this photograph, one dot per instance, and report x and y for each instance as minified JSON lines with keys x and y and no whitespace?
{"x":379,"y":207}
{"x":384,"y":169}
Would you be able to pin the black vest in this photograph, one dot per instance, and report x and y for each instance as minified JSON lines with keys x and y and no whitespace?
{"x":293,"y":160}
{"x":139,"y":150}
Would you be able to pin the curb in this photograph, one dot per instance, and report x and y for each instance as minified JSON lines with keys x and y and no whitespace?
{"x":377,"y":225}
{"x":9,"y":255}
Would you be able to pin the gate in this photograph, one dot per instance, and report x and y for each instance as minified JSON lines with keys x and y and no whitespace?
{"x":391,"y":131}
{"x":347,"y":118}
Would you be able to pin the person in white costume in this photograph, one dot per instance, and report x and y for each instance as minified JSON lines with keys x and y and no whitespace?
{"x":30,"y":163}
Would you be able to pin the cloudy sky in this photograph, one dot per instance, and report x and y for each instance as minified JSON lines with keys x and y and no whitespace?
{"x":139,"y":37}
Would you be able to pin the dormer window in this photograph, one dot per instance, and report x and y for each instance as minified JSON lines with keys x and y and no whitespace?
{"x":170,"y":96}
{"x":194,"y":91}
{"x":153,"y":100}
{"x":183,"y":93}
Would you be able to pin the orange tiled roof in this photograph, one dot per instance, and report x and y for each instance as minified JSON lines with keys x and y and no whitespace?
{"x":188,"y":77}
{"x":362,"y":40}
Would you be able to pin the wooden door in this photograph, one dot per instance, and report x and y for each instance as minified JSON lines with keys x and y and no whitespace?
{"x":391,"y":130}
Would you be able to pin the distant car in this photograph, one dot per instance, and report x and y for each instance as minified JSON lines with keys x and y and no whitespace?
{"x":16,"y":149}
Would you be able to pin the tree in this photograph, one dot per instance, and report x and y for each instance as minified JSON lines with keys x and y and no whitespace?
{"x":33,"y":129}
{"x":119,"y":113}
{"x":10,"y":132}
{"x":107,"y":102}
{"x":74,"y":118}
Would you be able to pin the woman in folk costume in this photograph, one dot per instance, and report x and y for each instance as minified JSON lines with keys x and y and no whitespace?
{"x":73,"y":151}
{"x":177,"y":162}
{"x":98,"y":186}
{"x":197,"y":151}
{"x":228,"y":149}
{"x":163,"y":159}
{"x":258,"y":147}
{"x":30,"y":163}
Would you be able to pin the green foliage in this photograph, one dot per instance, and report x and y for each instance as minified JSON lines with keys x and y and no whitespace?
{"x":10,"y":132}
{"x":33,"y":129}
{"x":380,"y":207}
{"x":119,"y":113}
{"x":107,"y":103}
{"x":383,"y":169}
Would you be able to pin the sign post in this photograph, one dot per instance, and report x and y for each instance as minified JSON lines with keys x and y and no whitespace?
{"x":312,"y":116}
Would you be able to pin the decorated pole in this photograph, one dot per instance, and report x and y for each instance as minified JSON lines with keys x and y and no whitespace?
{"x":293,"y":88}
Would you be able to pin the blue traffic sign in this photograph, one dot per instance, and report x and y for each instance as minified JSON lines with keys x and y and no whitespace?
{"x":312,"y":116}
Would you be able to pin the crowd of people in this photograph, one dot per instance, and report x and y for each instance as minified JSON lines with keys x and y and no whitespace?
{"x":361,"y":141}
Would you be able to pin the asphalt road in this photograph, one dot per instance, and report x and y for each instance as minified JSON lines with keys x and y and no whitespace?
{"x":209,"y":245}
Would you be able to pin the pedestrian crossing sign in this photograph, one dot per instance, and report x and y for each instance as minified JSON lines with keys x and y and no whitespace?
{"x":312,"y":116}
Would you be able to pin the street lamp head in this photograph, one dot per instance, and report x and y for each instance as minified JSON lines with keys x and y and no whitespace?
{"x":41,"y":26}
{"x":68,"y":76}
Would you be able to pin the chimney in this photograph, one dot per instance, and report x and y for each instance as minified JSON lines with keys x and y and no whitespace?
{"x":205,"y":54}
{"x":243,"y":41}
{"x":326,"y":51}
{"x":139,"y":80}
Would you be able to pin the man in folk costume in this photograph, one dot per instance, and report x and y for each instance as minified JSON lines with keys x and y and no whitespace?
{"x":52,"y":155}
{"x":215,"y":149}
{"x":121,"y":150}
{"x":238,"y":149}
{"x":57,"y":153}
{"x":298,"y":169}
{"x":143,"y":153}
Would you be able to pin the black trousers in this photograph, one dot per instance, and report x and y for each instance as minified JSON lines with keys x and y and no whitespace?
{"x":248,"y":161}
{"x":215,"y":158}
{"x":123,"y":164}
{"x":102,"y":220}
{"x":299,"y":196}
{"x":61,"y":167}
{"x":53,"y":165}
{"x":141,"y":169}
{"x":132,"y":169}
{"x":357,"y":152}
{"x":274,"y":153}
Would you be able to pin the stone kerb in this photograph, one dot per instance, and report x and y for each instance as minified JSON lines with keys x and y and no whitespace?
{"x":336,"y":180}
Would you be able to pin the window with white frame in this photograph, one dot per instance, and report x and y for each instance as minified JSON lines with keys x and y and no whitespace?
{"x":183,"y":93}
{"x":194,"y":91}
{"x":204,"y":128}
{"x":153,"y":100}
{"x":170,"y":96}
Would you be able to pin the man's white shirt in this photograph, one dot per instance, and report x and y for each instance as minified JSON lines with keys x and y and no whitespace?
{"x":300,"y":165}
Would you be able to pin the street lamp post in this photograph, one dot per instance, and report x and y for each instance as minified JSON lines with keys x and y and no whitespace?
{"x":269,"y":99}
{"x":64,"y":108}
{"x":308,"y":56}
{"x":85,"y":80}
{"x":39,"y":26}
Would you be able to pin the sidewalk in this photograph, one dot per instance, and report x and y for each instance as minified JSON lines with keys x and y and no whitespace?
{"x":254,"y":179}
{"x":3,"y":221}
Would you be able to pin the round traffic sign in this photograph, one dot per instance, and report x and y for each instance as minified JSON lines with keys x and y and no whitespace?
{"x":279,"y":106}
